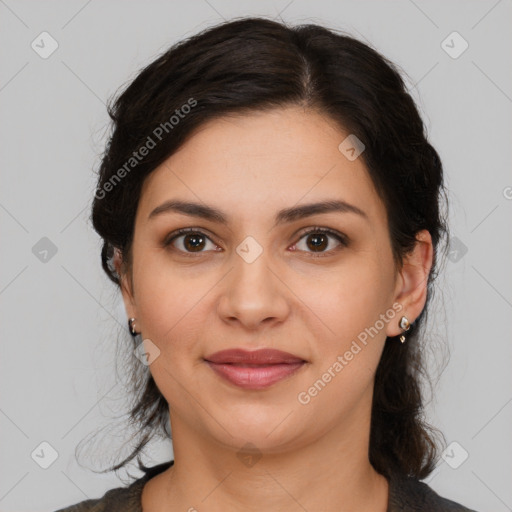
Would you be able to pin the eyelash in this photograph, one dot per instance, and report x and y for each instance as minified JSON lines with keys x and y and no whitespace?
{"x":185,"y":231}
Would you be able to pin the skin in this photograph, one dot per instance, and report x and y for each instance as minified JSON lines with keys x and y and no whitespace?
{"x":250,"y":167}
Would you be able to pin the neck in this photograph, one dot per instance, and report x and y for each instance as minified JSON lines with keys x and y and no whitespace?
{"x":332,"y":473}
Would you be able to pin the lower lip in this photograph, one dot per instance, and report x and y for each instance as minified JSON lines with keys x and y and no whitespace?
{"x":254,"y":377}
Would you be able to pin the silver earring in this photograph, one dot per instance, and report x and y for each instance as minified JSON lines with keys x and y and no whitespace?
{"x":405,"y":325}
{"x":131,"y":327}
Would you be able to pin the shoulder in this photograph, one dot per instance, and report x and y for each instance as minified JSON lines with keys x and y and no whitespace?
{"x":125,"y":499}
{"x":408,"y":494}
{"x":120,"y":499}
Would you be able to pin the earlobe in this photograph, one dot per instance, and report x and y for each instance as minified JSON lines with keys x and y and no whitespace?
{"x":413,"y":279}
{"x":124,"y":284}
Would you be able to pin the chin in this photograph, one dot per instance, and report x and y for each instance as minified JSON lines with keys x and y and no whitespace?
{"x":268,"y":431}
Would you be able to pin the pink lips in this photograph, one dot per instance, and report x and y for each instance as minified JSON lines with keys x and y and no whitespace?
{"x":257,"y":369}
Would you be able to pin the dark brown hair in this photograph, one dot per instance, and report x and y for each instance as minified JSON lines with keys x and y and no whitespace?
{"x":254,"y":64}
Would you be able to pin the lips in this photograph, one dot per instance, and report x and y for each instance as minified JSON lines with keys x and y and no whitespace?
{"x":261,"y":356}
{"x":256,"y":369}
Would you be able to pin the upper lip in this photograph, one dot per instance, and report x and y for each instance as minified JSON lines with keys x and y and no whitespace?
{"x":260,"y":356}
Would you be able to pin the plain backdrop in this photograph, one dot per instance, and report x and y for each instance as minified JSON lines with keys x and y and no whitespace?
{"x":61,"y":317}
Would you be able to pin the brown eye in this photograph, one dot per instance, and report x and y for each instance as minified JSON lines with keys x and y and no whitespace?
{"x":194,"y":242}
{"x":189,"y":241}
{"x":318,"y":240}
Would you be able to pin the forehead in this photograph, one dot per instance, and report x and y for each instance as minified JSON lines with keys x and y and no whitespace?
{"x":274,"y":159}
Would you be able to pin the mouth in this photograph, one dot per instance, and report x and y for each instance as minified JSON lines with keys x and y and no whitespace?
{"x":257,"y":369}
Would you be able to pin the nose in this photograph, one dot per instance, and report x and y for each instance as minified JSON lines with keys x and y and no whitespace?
{"x":252,"y":294}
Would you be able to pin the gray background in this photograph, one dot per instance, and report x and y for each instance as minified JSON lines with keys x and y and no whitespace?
{"x":60,"y":316}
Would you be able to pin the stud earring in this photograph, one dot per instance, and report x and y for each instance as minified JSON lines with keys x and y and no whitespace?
{"x":131,"y":327}
{"x":405,"y":325}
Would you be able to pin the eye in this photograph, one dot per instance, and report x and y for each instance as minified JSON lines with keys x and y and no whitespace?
{"x":192,"y":241}
{"x":317,"y":239}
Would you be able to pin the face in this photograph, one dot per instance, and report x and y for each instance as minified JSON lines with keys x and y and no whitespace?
{"x":264,"y":280}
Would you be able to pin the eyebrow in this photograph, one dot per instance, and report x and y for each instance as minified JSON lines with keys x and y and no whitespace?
{"x":283,"y":216}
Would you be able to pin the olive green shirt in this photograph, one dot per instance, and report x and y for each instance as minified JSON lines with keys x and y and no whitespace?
{"x":405,"y":495}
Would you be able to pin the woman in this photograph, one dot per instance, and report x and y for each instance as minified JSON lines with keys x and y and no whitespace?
{"x":270,"y":209}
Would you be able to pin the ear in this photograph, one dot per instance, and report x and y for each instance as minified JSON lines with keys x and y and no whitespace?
{"x":412,"y":280}
{"x":125,"y":285}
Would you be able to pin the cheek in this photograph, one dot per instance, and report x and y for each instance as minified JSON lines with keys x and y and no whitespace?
{"x":349,"y":308}
{"x":348,"y":344}
{"x":350,"y":299}
{"x":173,"y":309}
{"x":167,"y":302}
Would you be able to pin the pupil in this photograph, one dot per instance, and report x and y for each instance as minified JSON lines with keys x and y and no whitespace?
{"x":317,"y":242}
{"x":196,"y":241}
